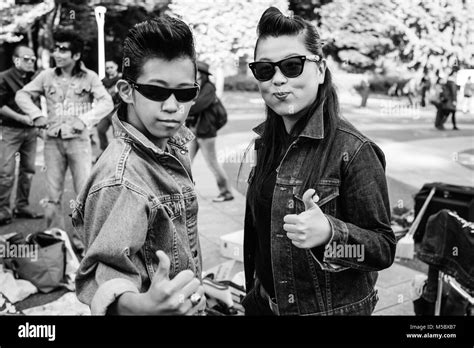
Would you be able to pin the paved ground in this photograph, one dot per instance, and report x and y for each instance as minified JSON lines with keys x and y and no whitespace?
{"x":416,"y":153}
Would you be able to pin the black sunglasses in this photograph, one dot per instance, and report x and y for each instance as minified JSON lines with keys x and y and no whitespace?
{"x":160,"y":94}
{"x":28,"y":58}
{"x":61,"y":48}
{"x":290,"y":67}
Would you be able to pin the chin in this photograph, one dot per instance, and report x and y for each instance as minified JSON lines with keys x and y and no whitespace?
{"x":284,"y":109}
{"x":164,"y":133}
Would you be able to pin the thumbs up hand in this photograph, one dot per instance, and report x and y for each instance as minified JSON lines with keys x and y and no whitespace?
{"x":311,"y":228}
{"x":172,"y":297}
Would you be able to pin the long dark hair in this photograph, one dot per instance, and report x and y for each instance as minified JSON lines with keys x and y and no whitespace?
{"x":163,"y":37}
{"x":273,"y":24}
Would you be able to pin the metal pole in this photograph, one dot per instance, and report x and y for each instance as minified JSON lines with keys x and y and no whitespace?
{"x":439,"y":294}
{"x":100,"y":18}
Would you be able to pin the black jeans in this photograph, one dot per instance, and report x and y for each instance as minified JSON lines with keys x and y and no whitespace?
{"x":453,"y":117}
{"x":440,"y":117}
{"x":23,"y":141}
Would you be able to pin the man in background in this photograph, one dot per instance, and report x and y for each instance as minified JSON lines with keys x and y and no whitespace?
{"x":69,"y":89}
{"x":17,"y":135}
{"x":468,"y":92}
{"x":109,"y":81}
{"x":450,"y":96}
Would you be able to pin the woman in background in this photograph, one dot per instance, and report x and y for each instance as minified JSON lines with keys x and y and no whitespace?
{"x":204,"y":128}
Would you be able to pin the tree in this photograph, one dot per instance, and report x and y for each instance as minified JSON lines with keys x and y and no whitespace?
{"x":224,"y":31}
{"x":34,"y":24}
{"x":307,"y":8}
{"x":367,"y":34}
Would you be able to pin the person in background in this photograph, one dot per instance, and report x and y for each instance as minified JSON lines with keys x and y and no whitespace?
{"x":468,"y":92}
{"x":436,"y":100}
{"x":69,"y":89}
{"x":364,"y":90}
{"x":206,"y":132}
{"x":449,"y":99}
{"x":17,"y":134}
{"x":109,"y":81}
{"x":425,"y":85}
{"x":410,"y":90}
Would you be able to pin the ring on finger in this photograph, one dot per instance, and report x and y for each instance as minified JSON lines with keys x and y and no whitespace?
{"x":195,"y":298}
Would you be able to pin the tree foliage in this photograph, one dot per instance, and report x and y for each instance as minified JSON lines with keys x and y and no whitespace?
{"x":224,"y":31}
{"x":366,"y":34}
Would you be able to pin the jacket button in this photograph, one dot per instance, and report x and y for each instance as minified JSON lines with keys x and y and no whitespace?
{"x":183,"y":152}
{"x":291,"y":204}
{"x":282,"y":188}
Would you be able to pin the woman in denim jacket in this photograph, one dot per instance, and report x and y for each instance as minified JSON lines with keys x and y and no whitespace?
{"x":138,"y":210}
{"x":317,"y":222}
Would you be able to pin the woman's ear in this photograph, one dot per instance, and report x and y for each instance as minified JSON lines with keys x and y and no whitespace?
{"x":322,"y":71}
{"x":125,"y":91}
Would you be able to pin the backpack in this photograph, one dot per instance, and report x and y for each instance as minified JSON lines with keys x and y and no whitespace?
{"x":218,"y":113}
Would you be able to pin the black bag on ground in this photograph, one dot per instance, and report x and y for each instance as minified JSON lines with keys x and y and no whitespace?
{"x":45,"y":265}
{"x":453,"y":197}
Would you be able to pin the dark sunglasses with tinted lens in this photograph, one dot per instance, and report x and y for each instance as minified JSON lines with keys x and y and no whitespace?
{"x":61,"y":48}
{"x":160,"y":94}
{"x":290,"y":67}
{"x":30,"y":59}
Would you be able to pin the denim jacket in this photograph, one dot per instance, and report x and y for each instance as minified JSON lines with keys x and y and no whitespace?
{"x":66,"y":101}
{"x":138,"y":199}
{"x":354,"y":197}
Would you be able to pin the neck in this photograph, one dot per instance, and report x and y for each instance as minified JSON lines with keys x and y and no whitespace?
{"x":160,"y":143}
{"x":21,"y":71}
{"x":291,"y":120}
{"x":67,"y":70}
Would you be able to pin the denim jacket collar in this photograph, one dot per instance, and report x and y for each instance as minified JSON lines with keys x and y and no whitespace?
{"x":313,"y":130}
{"x":79,"y":70}
{"x":124,"y":129}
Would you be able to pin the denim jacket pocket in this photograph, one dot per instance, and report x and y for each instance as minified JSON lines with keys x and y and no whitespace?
{"x":82,"y":90}
{"x":52,"y":92}
{"x":77,"y":214}
{"x":82,"y":94}
{"x":328,"y":191}
{"x":172,"y":205}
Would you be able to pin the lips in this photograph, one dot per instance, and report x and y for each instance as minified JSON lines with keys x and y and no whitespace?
{"x":168,"y":121}
{"x":281,"y":95}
